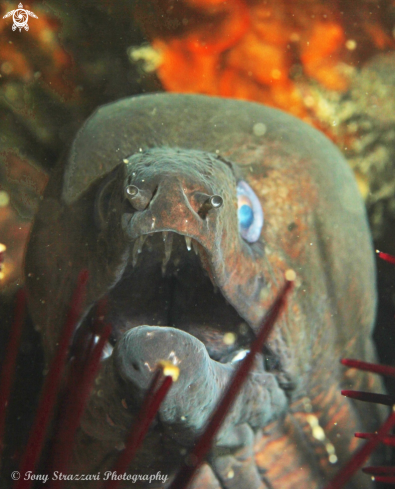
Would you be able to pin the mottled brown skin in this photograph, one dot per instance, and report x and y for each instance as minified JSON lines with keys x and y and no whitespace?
{"x":177,"y":149}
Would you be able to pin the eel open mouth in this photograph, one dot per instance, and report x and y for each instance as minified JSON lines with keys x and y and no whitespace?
{"x":167,"y":306}
{"x":168,"y":282}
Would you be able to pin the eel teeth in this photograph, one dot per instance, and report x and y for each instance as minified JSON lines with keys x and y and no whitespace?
{"x":188,"y":242}
{"x":149,"y":244}
{"x":195,"y":247}
{"x":240,"y":355}
{"x":107,"y":350}
{"x":138,"y":248}
{"x":141,"y":241}
{"x":168,"y":239}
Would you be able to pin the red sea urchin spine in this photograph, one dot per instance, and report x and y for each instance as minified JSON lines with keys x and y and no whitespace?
{"x":369,"y":397}
{"x":76,"y":400}
{"x":203,"y":444}
{"x":381,"y":474}
{"x":52,"y":385}
{"x":385,"y":479}
{"x":362,"y":454}
{"x":8,"y":367}
{"x":374,"y":439}
{"x":148,"y":411}
{"x":379,"y":470}
{"x":386,"y":257}
{"x":369,"y":367}
{"x":387,"y":440}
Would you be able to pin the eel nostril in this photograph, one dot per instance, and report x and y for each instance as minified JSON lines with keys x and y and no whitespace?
{"x":213,"y":202}
{"x":216,"y":201}
{"x":138,"y":198}
{"x":136,"y":366}
{"x":132,"y":190}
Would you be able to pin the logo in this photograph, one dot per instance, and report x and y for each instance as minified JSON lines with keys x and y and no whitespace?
{"x":20,"y":17}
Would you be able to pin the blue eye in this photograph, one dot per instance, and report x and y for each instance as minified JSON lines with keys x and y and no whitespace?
{"x":249,"y":213}
{"x":246,"y":216}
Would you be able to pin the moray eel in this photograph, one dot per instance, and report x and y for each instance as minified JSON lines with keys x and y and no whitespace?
{"x":187,"y":210}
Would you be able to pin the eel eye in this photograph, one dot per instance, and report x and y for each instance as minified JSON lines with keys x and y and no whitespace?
{"x":249,"y":213}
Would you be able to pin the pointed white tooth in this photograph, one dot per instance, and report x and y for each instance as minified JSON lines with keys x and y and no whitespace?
{"x":137,"y":248}
{"x":107,"y":350}
{"x":135,"y":253}
{"x":141,"y":240}
{"x":168,"y":239}
{"x":149,"y":243}
{"x":188,"y":242}
{"x":168,"y":246}
{"x":195,"y":247}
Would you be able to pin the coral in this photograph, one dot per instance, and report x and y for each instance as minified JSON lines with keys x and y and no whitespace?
{"x":258,"y":50}
{"x":361,"y":122}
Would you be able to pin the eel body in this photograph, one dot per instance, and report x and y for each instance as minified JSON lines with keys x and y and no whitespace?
{"x":187,"y":211}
